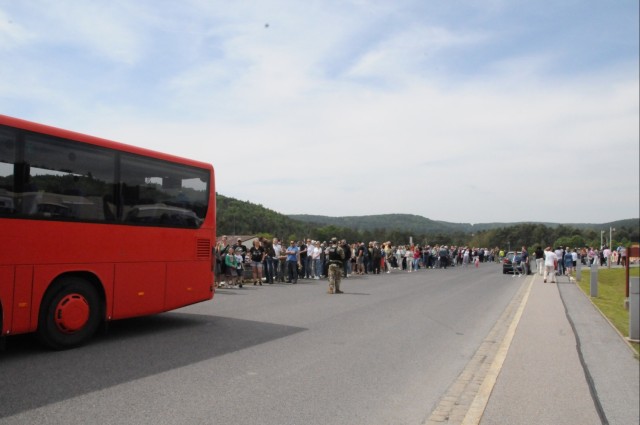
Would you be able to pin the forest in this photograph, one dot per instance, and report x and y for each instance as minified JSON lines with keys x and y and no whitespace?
{"x":245,"y":218}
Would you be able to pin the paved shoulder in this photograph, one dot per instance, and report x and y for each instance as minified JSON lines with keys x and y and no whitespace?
{"x":542,"y":376}
{"x":609,"y":361}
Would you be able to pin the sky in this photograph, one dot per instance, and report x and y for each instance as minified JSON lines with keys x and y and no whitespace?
{"x":462,"y":111}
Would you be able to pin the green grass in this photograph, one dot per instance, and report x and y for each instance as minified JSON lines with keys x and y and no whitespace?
{"x":611,"y":296}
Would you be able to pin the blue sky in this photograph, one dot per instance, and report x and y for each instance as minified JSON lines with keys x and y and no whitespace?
{"x":463,"y":111}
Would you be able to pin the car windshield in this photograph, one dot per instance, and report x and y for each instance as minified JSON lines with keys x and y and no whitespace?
{"x":510,"y":256}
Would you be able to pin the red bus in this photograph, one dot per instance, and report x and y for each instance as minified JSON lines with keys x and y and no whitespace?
{"x":93,"y":230}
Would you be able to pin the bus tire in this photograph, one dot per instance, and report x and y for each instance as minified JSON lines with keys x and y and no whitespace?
{"x":70,"y":313}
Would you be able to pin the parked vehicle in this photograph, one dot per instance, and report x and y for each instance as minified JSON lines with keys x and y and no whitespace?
{"x":509,"y":260}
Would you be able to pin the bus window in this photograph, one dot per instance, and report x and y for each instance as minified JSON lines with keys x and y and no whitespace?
{"x":156,"y":192}
{"x":67,"y":180}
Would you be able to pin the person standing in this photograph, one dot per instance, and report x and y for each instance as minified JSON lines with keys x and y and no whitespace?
{"x":220,"y":254}
{"x":346,"y":264}
{"x":524,"y":256}
{"x":268,"y":262}
{"x":560,"y":260}
{"x":568,"y":261}
{"x":539,"y":260}
{"x":444,"y":257}
{"x":292,"y":262}
{"x":324,"y":266}
{"x":408,"y":255}
{"x":353,"y":267}
{"x":360,"y":259}
{"x":302,"y":258}
{"x":417,"y":255}
{"x":376,"y":258}
{"x":550,"y":264}
{"x":591,"y":255}
{"x":336,"y":257}
{"x":317,"y":261}
{"x":311,"y":246}
{"x":241,"y":251}
{"x":389,"y":256}
{"x":400,"y":256}
{"x":606,"y":254}
{"x":278,"y":271}
{"x":239,"y":268}
{"x":231,"y":265}
{"x":257,"y":254}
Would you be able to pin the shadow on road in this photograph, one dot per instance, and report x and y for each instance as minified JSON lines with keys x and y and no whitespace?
{"x":31,"y":376}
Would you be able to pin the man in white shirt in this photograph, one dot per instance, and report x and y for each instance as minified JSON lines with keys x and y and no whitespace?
{"x":278,"y":269}
{"x":315,"y":258}
{"x":607,"y":256}
{"x":550,"y":264}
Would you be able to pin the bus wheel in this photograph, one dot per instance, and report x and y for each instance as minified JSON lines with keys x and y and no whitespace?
{"x":69,"y":314}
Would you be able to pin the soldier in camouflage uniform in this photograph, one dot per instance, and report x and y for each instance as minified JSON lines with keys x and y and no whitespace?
{"x":336,"y":257}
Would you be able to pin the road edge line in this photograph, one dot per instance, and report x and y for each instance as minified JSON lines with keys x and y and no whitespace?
{"x":480,"y":401}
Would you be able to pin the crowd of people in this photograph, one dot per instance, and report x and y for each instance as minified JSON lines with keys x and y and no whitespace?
{"x":273,"y":261}
{"x":564,"y":260}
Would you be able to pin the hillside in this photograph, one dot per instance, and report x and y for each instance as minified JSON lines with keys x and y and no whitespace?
{"x":243,"y":217}
{"x":239,"y":217}
{"x":403,"y":222}
{"x":421,"y":225}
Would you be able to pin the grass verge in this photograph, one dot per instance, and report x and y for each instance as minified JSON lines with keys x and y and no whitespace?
{"x":611,"y":295}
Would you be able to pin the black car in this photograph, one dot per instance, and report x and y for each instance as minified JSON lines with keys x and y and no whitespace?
{"x":508,"y":262}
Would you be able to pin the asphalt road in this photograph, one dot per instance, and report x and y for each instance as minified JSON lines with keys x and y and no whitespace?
{"x":382,"y":353}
